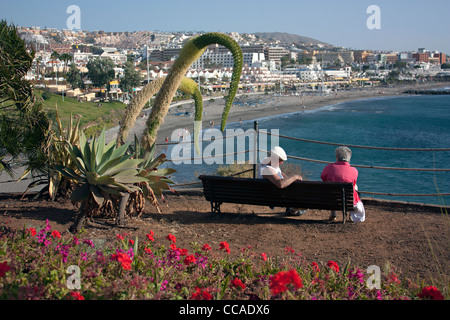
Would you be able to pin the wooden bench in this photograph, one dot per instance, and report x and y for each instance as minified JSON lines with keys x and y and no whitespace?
{"x":300,"y":194}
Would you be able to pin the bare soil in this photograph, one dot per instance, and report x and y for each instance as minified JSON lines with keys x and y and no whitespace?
{"x":413,"y":239}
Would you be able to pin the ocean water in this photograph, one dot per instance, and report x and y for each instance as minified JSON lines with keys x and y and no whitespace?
{"x":416,"y":121}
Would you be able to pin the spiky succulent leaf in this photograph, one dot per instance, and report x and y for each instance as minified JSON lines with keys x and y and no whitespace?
{"x":80,"y":193}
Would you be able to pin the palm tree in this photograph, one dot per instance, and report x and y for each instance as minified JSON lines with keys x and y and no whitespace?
{"x":54,"y":56}
{"x":66,"y":57}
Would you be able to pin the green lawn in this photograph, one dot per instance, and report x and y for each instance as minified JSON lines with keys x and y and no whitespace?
{"x":107,"y":115}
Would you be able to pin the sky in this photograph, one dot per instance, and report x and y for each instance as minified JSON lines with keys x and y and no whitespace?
{"x":400,"y":25}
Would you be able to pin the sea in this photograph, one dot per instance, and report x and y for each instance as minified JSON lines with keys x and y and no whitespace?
{"x":381,"y":131}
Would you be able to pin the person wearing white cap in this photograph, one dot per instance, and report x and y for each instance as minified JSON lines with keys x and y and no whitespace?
{"x":269,"y":169}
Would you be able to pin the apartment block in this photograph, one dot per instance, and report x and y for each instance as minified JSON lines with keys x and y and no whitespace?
{"x":421,"y":56}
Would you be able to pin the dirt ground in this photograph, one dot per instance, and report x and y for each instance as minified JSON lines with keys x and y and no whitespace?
{"x":411,"y":238}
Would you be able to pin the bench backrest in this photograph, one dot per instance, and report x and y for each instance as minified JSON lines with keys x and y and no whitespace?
{"x":300,"y":194}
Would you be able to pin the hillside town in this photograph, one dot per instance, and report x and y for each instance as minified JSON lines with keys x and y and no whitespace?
{"x":270,"y":64}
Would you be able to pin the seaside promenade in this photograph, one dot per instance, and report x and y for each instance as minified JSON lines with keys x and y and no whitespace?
{"x":212,"y":111}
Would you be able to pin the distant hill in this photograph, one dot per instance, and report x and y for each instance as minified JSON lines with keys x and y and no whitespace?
{"x":287,"y":37}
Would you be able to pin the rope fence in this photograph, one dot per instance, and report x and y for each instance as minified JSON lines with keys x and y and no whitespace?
{"x":357,"y":146}
{"x":256,"y":150}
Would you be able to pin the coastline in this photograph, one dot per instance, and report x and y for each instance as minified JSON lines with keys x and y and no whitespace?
{"x":267,"y":106}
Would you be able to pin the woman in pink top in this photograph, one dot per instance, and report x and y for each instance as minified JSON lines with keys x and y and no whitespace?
{"x":341,"y":171}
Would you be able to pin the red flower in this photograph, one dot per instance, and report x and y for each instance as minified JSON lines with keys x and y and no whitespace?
{"x":201,"y":294}
{"x":32,"y":231}
{"x":124,"y":259}
{"x":119,"y":237}
{"x":173,"y":246}
{"x":56,"y":234}
{"x":150,"y":236}
{"x":315,"y":266}
{"x":431,"y":292}
{"x":279,"y":282}
{"x":333,"y":265}
{"x":131,"y":241}
{"x":289,"y":249}
{"x":4,"y":268}
{"x":189,"y":259}
{"x":171,"y":237}
{"x":148,"y":250}
{"x":183,"y":251}
{"x":224,"y":245}
{"x":206,"y":247}
{"x":263,"y":256}
{"x":236,"y":283}
{"x":76,"y":295}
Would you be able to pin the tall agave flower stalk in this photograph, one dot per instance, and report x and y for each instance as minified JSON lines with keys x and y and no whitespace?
{"x":187,"y":85}
{"x":191,"y":51}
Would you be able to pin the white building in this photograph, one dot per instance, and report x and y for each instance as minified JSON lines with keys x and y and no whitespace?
{"x":225,"y":59}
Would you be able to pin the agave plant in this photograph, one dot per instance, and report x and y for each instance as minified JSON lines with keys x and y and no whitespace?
{"x":156,"y":179}
{"x":56,"y":154}
{"x":103,"y":171}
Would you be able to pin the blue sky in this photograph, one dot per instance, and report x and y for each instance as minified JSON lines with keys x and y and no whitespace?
{"x":404,"y":24}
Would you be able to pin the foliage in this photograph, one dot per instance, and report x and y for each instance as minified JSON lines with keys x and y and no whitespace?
{"x":23,"y":122}
{"x":88,"y":112}
{"x":155,"y":179}
{"x":34,"y":264}
{"x":131,"y":78}
{"x":57,"y":154}
{"x":73,"y":77}
{"x":103,"y":171}
{"x":46,"y":95}
{"x":15,"y":61}
{"x":101,"y":71}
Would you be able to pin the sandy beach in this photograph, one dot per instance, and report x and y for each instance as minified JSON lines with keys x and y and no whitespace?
{"x":261,"y":105}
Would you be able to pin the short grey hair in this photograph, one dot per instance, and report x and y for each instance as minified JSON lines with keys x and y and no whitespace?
{"x":343,"y":154}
